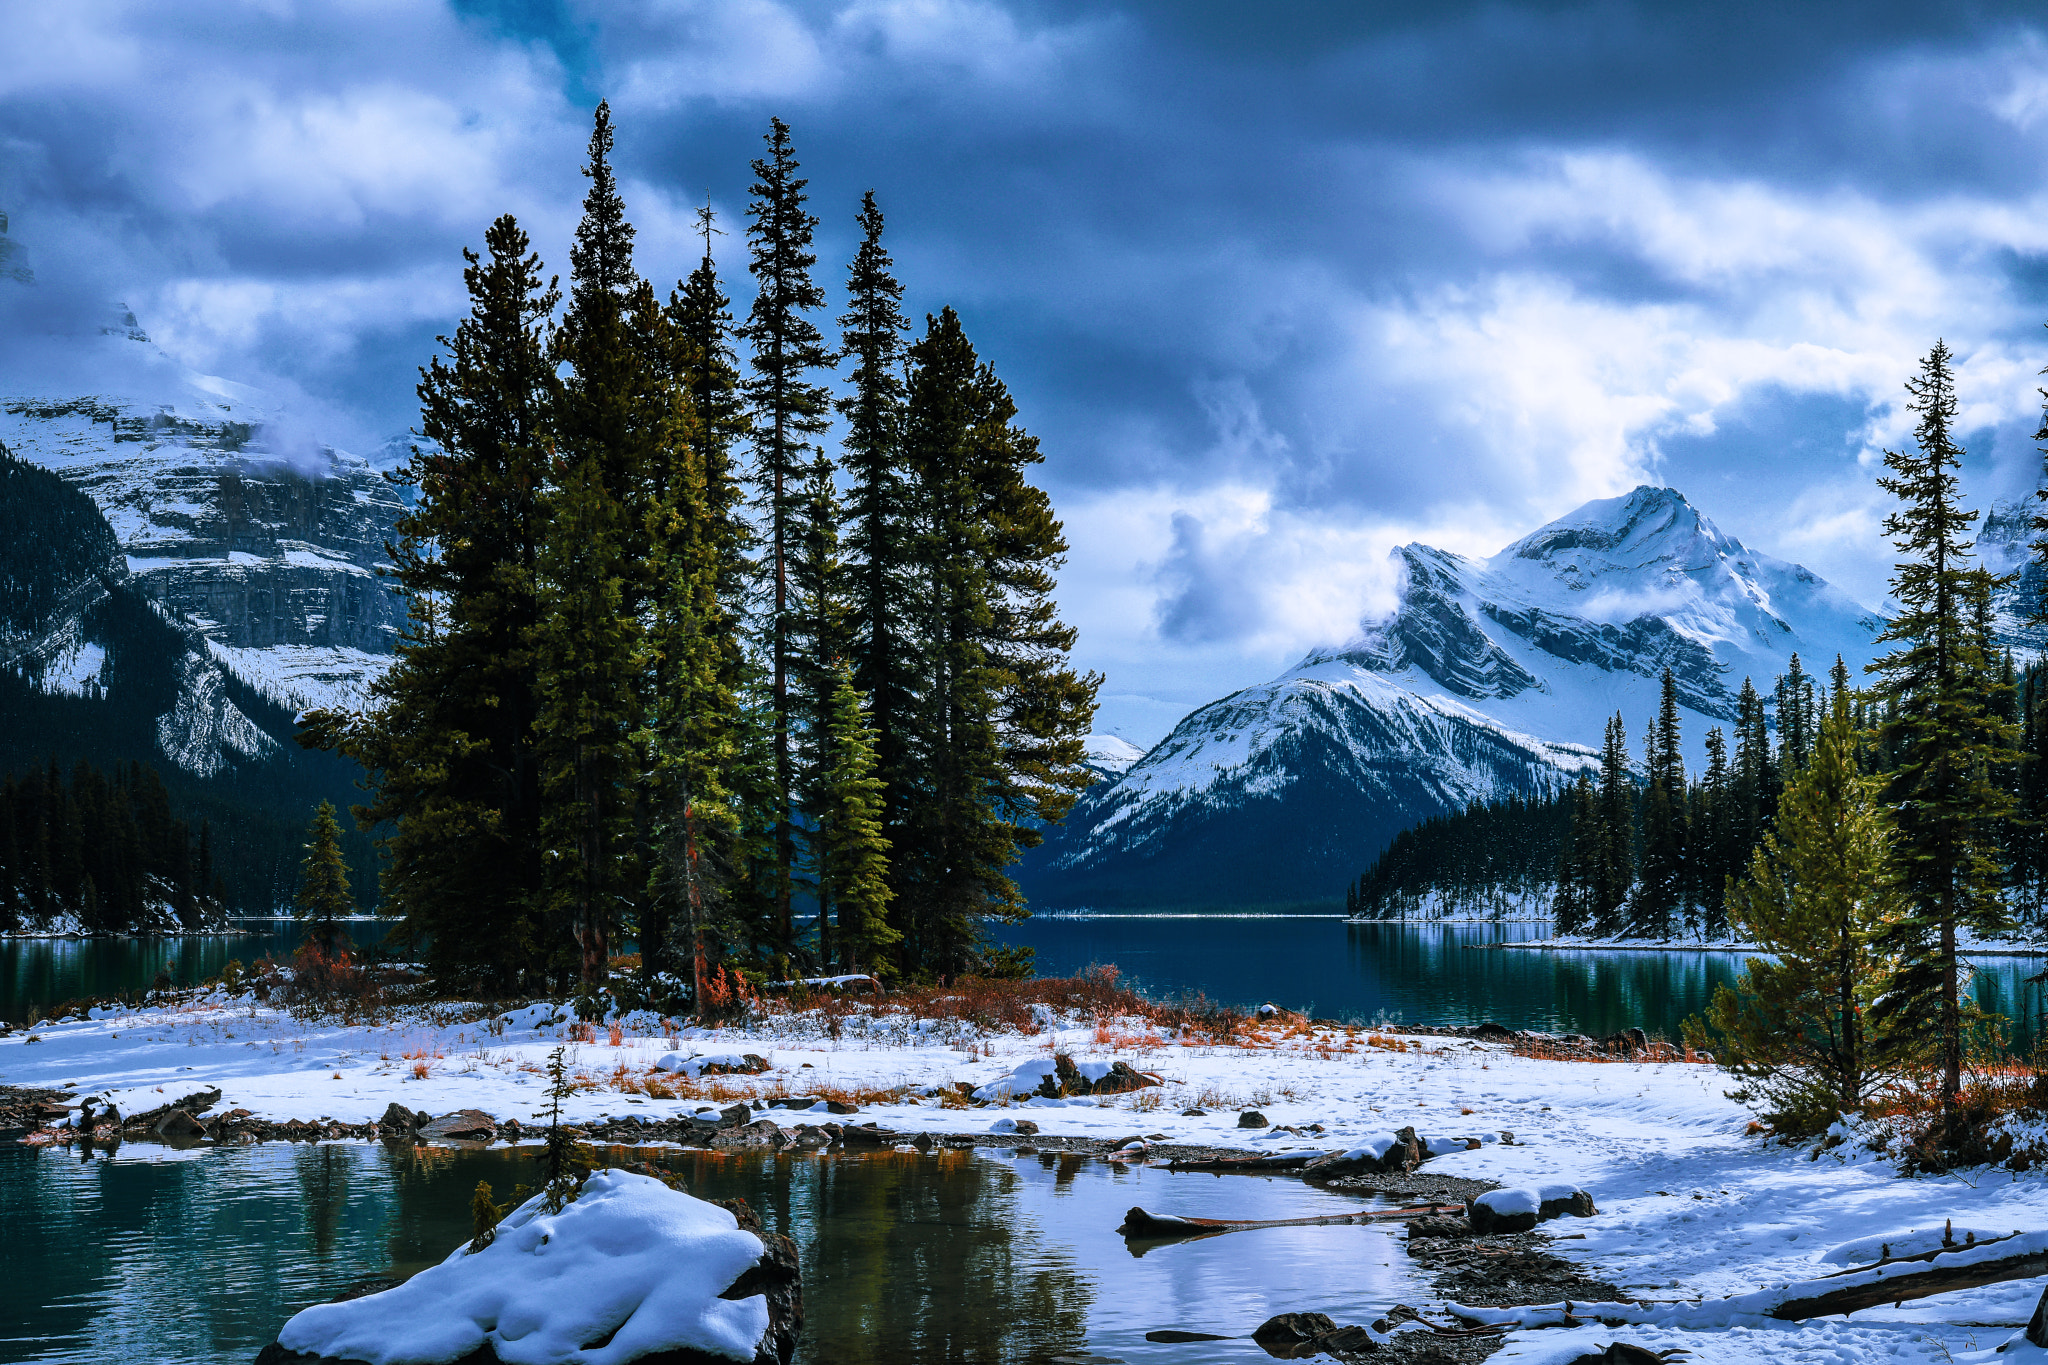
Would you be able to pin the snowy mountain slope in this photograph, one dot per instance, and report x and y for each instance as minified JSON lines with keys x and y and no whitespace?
{"x":1109,"y":756}
{"x":262,"y":541}
{"x":1491,"y":676}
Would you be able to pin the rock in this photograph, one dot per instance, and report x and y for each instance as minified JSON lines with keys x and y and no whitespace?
{"x":1519,"y":1210}
{"x":1027,"y":1127}
{"x":1252,"y":1118}
{"x":1493,"y":1032}
{"x":178,"y":1125}
{"x":1122,"y":1079}
{"x":1292,"y":1329}
{"x":472,"y":1125}
{"x":1194,"y":1113}
{"x":1420,"y":1229}
{"x":759,"y":1133}
{"x":867,"y":1135}
{"x":199,"y":1101}
{"x":398,"y":1118}
{"x":1620,"y":1353}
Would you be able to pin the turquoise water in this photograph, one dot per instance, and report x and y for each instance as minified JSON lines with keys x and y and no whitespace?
{"x":47,"y":971}
{"x":1445,"y":973}
{"x":154,"y":1255}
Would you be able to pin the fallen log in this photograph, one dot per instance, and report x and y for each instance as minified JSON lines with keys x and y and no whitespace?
{"x":1167,"y":1226}
{"x":1278,"y":1161}
{"x":2018,"y":1257}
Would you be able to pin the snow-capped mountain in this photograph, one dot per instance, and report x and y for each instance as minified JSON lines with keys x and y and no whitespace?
{"x":1491,"y":676}
{"x":266,"y":544}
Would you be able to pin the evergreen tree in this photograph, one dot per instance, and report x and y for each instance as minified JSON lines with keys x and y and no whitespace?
{"x":849,"y":851}
{"x":449,"y":741}
{"x":881,"y":527}
{"x":620,"y":436}
{"x":1819,"y":897}
{"x":1002,"y":714}
{"x":1661,"y":894}
{"x":324,"y":899}
{"x":1614,"y":857}
{"x":789,"y":407}
{"x":1713,"y":836}
{"x":1753,"y":779}
{"x":1798,"y":716}
{"x":1573,"y":907}
{"x":1944,"y":732}
{"x":820,"y":638}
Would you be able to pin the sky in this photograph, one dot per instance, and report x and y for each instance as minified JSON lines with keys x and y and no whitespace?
{"x":1277,"y":286}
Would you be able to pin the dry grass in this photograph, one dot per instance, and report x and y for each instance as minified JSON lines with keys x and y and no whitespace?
{"x":996,"y":1005}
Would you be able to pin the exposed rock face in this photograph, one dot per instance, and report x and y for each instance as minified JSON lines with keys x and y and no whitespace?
{"x":269,"y":550}
{"x":1491,"y":676}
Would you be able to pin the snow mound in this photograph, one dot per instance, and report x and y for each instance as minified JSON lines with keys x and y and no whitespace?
{"x":1905,"y":1242}
{"x":631,"y":1264}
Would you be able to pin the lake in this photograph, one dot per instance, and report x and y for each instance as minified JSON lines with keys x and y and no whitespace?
{"x":1435,"y":973}
{"x":201,"y":1255}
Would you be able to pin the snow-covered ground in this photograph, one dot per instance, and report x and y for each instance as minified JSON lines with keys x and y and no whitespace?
{"x":1688,"y":1205}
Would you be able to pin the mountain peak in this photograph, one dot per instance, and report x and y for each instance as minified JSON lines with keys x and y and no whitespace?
{"x":1648,"y":523}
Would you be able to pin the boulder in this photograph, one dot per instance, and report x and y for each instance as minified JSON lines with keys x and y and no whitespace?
{"x":719,"y":1289}
{"x":1518,"y":1210}
{"x":400,"y":1119}
{"x":1252,"y":1118}
{"x":1493,"y":1032}
{"x":178,"y":1125}
{"x":472,"y":1125}
{"x":1120,"y":1078}
{"x":1292,"y":1329}
{"x":759,"y":1133}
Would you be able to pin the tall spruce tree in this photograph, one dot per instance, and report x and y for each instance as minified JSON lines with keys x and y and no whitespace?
{"x":448,"y":740}
{"x":1614,"y":858}
{"x":1714,"y":838}
{"x":1944,"y":731}
{"x":1577,"y":873}
{"x":820,"y":636}
{"x":881,"y":524}
{"x":613,"y":429}
{"x":788,"y":407}
{"x":1661,"y":893}
{"x":1798,"y":718}
{"x":1002,"y":714}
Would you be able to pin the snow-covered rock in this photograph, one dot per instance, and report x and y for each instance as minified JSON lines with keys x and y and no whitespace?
{"x":628,"y":1269}
{"x":1491,"y":676}
{"x":1518,"y":1210}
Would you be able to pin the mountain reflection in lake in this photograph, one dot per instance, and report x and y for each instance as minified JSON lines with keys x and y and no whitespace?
{"x":960,"y":1256}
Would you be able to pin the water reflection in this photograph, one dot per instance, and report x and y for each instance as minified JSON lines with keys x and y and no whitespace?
{"x":46,"y":971}
{"x":200,"y":1255}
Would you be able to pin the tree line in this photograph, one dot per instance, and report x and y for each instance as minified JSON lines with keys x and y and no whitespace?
{"x":103,"y":849}
{"x":675,"y":668}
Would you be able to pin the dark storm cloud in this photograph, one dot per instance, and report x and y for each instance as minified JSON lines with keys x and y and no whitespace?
{"x":1278,"y":286}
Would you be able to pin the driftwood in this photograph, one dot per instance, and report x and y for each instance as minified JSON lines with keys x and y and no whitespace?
{"x":1140,"y":1225}
{"x":1892,"y":1280}
{"x":1279,"y":1161}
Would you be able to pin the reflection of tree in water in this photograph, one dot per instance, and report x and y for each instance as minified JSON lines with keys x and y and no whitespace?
{"x":910,"y":1258}
{"x":323,"y":1174}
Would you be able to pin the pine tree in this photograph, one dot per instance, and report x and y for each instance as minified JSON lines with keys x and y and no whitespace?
{"x":1819,"y":896}
{"x":1614,"y":858}
{"x":1753,"y":787}
{"x":324,"y":899}
{"x":788,"y":407}
{"x":448,"y":741}
{"x":881,"y":526}
{"x":1572,"y":907}
{"x":850,"y":861}
{"x":1662,"y":892}
{"x":1945,"y":735}
{"x":820,"y":636}
{"x":1714,"y":835}
{"x":1798,"y":715}
{"x":1002,"y":714}
{"x":621,"y":434}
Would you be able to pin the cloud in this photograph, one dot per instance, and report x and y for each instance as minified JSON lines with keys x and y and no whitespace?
{"x":1278,"y":290}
